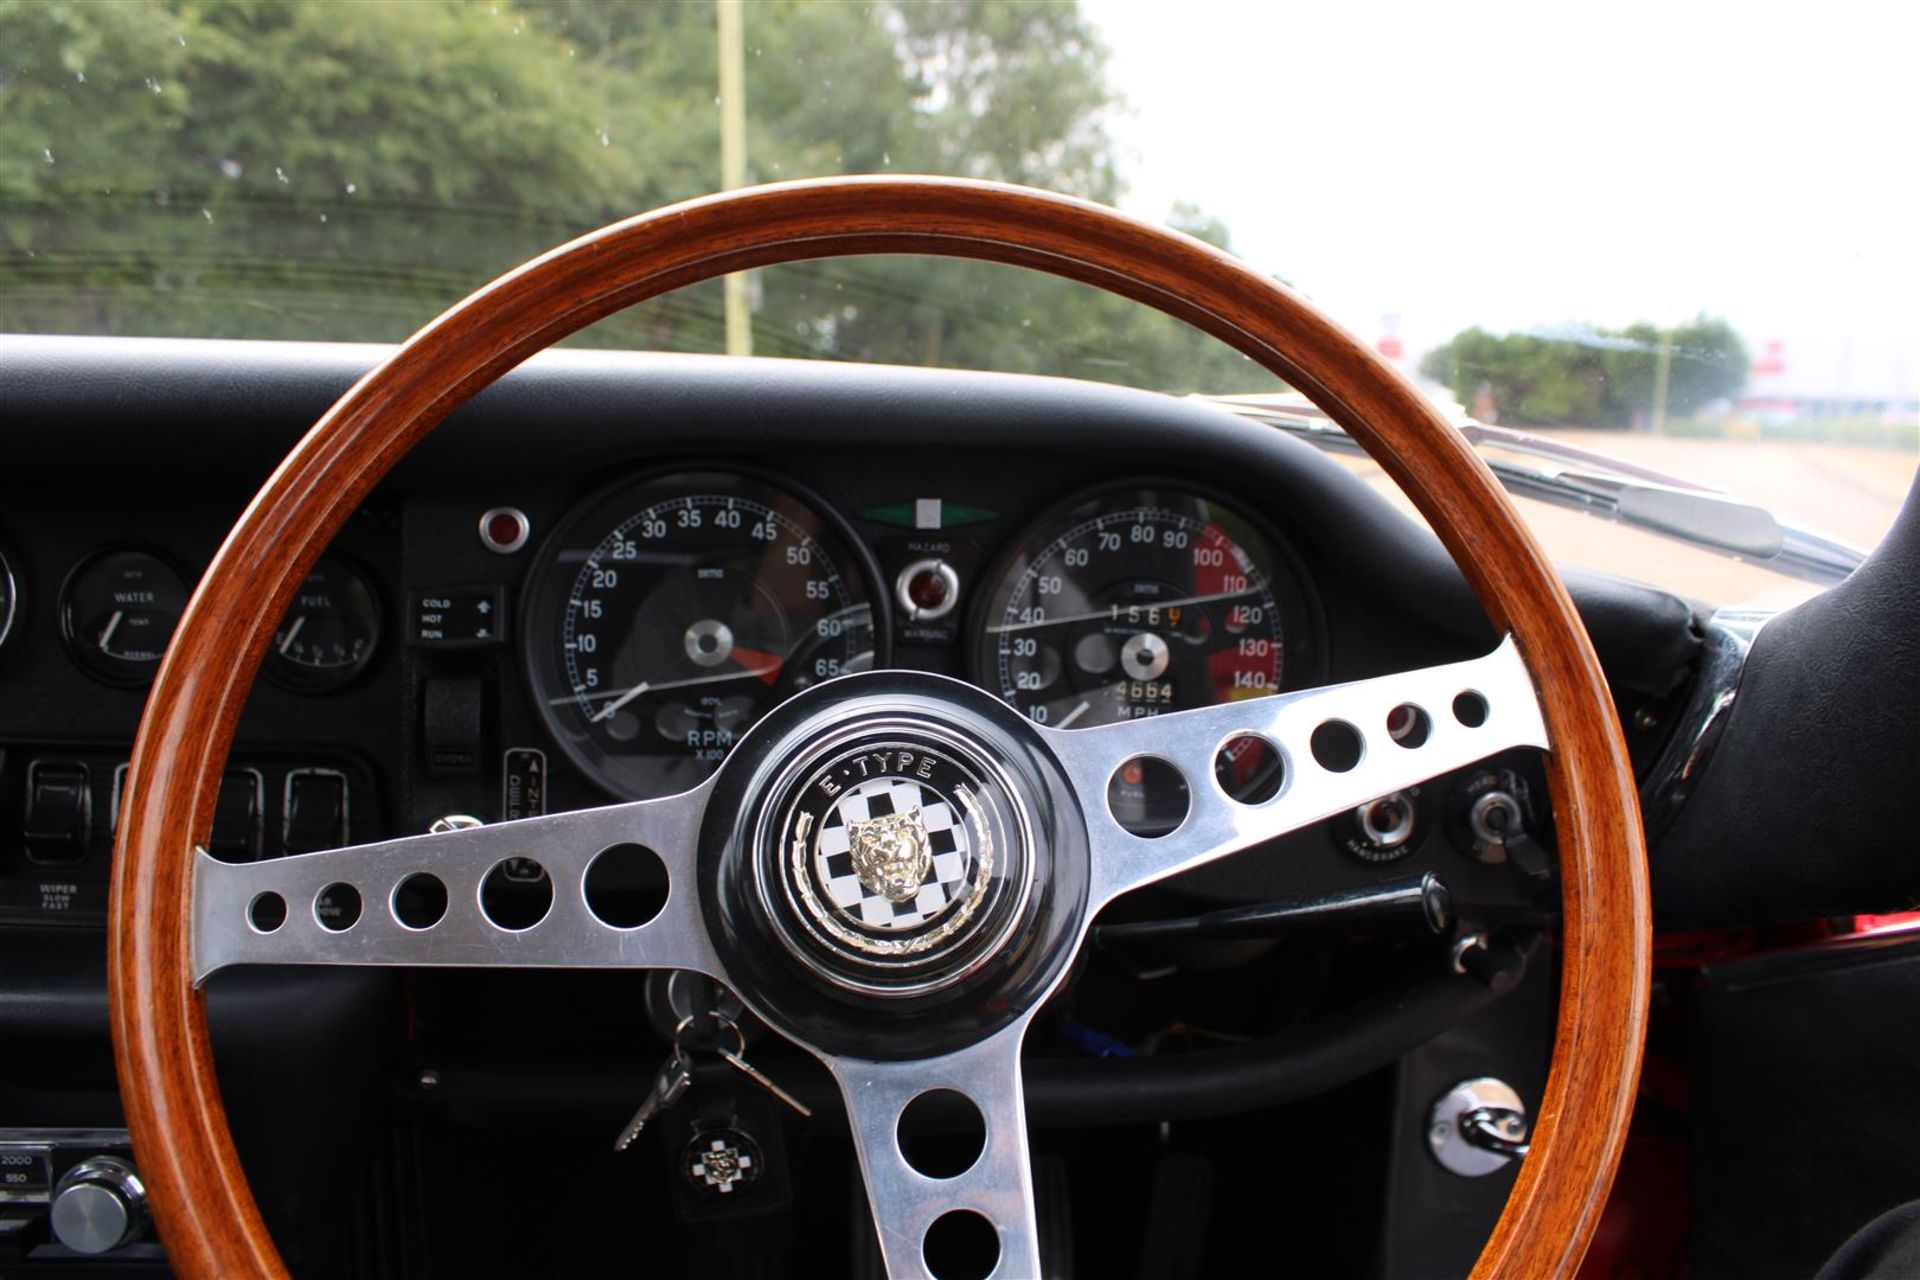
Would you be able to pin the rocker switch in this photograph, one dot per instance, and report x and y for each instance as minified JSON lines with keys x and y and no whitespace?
{"x":316,"y":814}
{"x":237,"y":817}
{"x":59,"y":812}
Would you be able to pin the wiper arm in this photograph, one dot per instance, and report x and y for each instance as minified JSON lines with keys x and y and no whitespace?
{"x":1601,"y":485}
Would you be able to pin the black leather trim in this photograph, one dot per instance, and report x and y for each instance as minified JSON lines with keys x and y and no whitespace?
{"x":1801,"y":811}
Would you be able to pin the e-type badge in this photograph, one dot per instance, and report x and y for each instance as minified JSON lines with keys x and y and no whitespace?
{"x":891,"y":854}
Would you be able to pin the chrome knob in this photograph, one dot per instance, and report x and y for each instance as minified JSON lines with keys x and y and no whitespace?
{"x":99,"y":1205}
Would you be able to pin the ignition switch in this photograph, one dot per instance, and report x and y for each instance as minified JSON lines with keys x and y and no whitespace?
{"x":1490,"y":816}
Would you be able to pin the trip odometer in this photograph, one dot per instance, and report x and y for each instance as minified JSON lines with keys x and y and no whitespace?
{"x":667,"y":615}
{"x":1134,"y":602}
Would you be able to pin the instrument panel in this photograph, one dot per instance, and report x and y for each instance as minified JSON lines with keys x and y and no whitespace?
{"x":669,"y":612}
{"x":659,"y":617}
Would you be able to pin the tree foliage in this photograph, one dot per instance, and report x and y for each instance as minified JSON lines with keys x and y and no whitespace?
{"x":300,"y":168}
{"x":1594,"y":377}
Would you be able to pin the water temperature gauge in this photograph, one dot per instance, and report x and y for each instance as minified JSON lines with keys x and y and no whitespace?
{"x":330,"y":631}
{"x":117,"y":612}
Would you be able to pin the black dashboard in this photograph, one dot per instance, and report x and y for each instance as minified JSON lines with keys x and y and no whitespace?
{"x":596,"y":575}
{"x":441,"y":661}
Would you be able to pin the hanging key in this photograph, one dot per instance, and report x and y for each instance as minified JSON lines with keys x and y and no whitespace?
{"x":736,"y":1058}
{"x":760,"y":1078}
{"x":668,"y":1085}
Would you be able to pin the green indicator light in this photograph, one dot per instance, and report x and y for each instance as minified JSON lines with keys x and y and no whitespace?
{"x":899,"y":513}
{"x":927,"y":513}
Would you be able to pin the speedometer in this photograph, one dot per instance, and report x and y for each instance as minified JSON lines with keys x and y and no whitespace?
{"x":667,"y":615}
{"x":1137,"y":601}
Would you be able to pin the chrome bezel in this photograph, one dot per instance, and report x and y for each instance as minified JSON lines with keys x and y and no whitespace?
{"x":1012,"y":859}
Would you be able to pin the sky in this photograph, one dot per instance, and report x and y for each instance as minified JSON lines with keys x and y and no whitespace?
{"x":1527,"y":166}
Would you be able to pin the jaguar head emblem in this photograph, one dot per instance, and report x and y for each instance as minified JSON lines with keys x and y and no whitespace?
{"x":891,"y":854}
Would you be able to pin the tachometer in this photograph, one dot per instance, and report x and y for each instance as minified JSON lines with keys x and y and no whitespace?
{"x":1134,"y":602}
{"x":667,"y":615}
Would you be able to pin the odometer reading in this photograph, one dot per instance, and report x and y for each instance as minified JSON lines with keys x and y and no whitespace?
{"x":671,"y":615}
{"x":1134,"y":603}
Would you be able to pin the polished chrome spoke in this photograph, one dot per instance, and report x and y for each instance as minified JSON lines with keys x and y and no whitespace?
{"x":998,"y":1186}
{"x":375,"y":904}
{"x":1497,"y":710}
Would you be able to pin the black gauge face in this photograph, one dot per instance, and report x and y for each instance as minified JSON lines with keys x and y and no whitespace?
{"x":330,"y":630}
{"x":9,"y":598}
{"x":1136,"y":602}
{"x":118,"y":611}
{"x":667,"y":616}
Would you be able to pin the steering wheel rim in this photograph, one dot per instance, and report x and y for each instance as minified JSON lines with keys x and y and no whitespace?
{"x":202,"y":1203}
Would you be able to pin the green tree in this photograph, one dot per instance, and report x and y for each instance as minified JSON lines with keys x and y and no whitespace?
{"x":299,"y":168}
{"x":1593,"y":378}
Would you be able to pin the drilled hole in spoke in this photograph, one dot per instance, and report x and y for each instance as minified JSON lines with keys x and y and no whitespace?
{"x":267,"y":912}
{"x":1338,"y":746}
{"x":337,"y":907}
{"x":942,"y":1133}
{"x":419,"y":901}
{"x":961,"y":1245}
{"x":516,"y":894}
{"x":626,"y":886}
{"x":1470,"y":709}
{"x":1249,"y":768}
{"x":1409,"y":726}
{"x":1148,"y":797}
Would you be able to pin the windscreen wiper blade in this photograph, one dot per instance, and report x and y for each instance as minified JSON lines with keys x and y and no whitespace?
{"x":1600,"y":485}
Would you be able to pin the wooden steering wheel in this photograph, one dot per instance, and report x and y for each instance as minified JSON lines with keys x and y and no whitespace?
{"x":889,"y":1024}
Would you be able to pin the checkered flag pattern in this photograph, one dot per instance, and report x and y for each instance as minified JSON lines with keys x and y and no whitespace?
{"x":946,"y":839}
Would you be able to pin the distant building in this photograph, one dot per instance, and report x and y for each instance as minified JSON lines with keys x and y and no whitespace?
{"x":1832,"y":379}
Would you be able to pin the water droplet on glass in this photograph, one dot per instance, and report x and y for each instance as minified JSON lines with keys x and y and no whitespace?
{"x":353,"y":188}
{"x":48,"y":153}
{"x":280,"y":174}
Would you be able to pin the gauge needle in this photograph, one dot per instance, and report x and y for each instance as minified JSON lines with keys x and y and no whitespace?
{"x":113,"y":624}
{"x":1100,"y":615}
{"x":292,"y":632}
{"x":759,"y":662}
{"x":644,"y":686}
{"x":1073,"y":715}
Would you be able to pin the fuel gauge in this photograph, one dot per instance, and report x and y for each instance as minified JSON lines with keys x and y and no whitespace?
{"x":118,"y":610}
{"x":330,"y":631}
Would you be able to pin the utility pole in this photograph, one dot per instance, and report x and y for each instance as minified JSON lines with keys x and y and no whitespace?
{"x":733,"y":157}
{"x":1663,"y":366}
